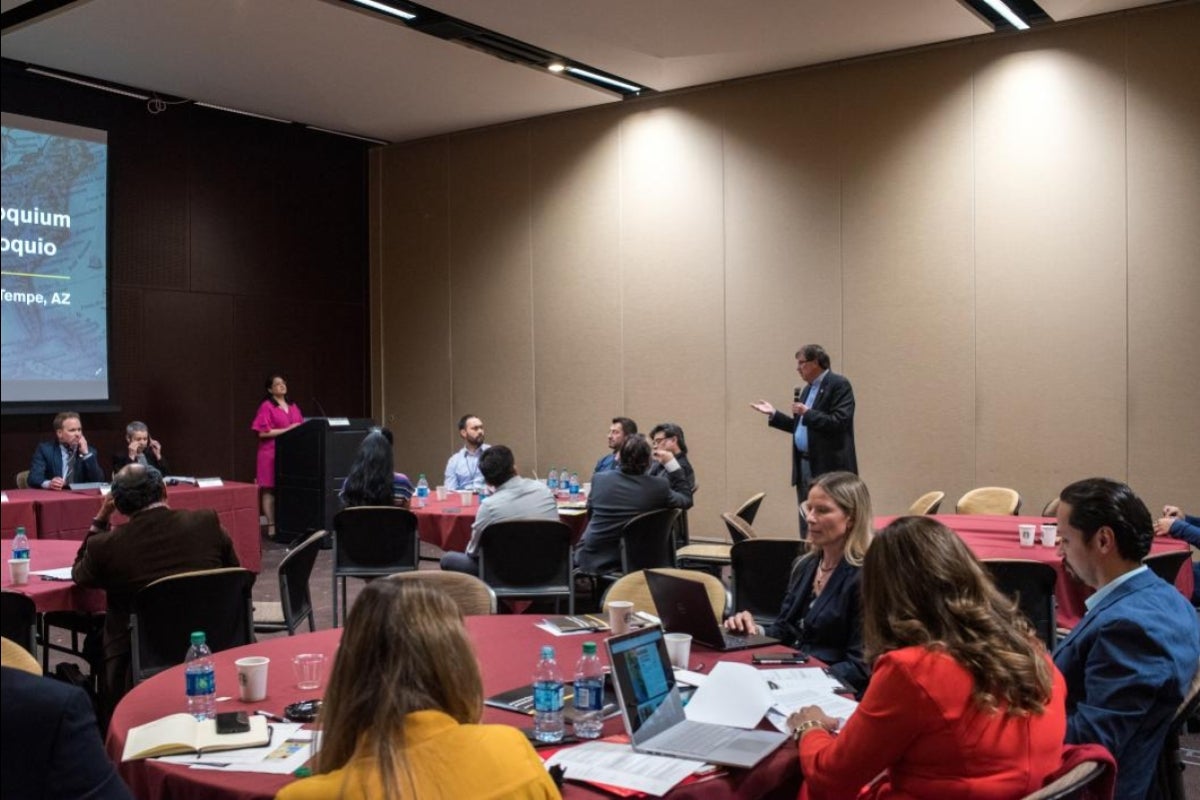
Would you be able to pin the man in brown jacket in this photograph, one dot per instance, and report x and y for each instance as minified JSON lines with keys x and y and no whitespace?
{"x":157,"y":541}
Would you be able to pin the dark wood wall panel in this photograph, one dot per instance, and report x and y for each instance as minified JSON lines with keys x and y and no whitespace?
{"x":238,"y":247}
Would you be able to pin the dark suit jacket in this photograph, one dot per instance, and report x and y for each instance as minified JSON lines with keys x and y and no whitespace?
{"x":828,"y":627}
{"x":122,"y":459}
{"x":51,"y":744}
{"x":154,"y":543}
{"x":47,"y":464}
{"x":1128,"y":664}
{"x":830,"y":423}
{"x":616,"y":498}
{"x":658,"y":469}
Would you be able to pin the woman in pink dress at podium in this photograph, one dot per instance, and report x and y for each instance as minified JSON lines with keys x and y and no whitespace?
{"x":276,"y":415}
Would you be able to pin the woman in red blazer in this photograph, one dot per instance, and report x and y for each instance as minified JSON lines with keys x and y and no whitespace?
{"x":964,"y":701}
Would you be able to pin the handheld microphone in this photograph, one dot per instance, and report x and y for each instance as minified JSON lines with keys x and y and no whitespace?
{"x":797,"y":393}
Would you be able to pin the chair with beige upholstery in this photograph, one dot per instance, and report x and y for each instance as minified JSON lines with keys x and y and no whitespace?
{"x":989,"y":500}
{"x":14,"y":656}
{"x":23,"y":479}
{"x":1071,"y":784}
{"x":706,"y":556}
{"x":471,"y":595}
{"x":928,"y":503}
{"x":1051,"y":508}
{"x":633,"y":587}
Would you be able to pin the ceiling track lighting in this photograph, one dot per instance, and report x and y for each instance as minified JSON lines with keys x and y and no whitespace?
{"x":1008,"y":15}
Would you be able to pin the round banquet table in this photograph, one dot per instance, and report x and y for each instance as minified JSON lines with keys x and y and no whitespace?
{"x":507,"y":648}
{"x":55,"y":595}
{"x":447,"y":523}
{"x":992,"y":536}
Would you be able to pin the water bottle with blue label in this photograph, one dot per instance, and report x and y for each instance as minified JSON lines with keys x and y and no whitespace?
{"x":422,"y":491}
{"x":201,"y":679}
{"x":20,"y":545}
{"x":547,"y":698}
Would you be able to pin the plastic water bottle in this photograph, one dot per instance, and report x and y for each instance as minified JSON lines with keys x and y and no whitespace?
{"x":20,"y":545}
{"x":422,"y":491}
{"x":589,"y":694}
{"x":573,"y":487}
{"x":201,"y":679}
{"x":547,"y":698}
{"x":564,"y":480}
{"x":552,"y":479}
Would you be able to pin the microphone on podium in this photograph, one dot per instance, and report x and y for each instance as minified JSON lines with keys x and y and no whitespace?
{"x":320,"y":408}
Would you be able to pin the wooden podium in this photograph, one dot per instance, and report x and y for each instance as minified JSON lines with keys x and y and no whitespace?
{"x":311,"y":462}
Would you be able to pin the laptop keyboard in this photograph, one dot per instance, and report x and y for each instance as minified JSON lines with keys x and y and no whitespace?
{"x":695,"y":737}
{"x":732,"y":640}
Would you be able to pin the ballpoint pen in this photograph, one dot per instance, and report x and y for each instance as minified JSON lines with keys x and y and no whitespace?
{"x":270,"y":716}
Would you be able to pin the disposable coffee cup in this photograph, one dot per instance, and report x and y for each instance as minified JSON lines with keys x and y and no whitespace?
{"x":1049,"y":535}
{"x":466,"y":497}
{"x":18,"y":571}
{"x":308,"y":667}
{"x":679,"y":649}
{"x":619,"y":612}
{"x":441,"y":494}
{"x":252,"y":678}
{"x":1028,"y":534}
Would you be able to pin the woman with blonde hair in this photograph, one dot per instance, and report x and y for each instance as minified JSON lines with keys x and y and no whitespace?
{"x":964,"y":701}
{"x":821,"y":612}
{"x":401,"y":714}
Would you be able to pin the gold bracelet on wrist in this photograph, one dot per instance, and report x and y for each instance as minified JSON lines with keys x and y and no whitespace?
{"x":805,"y":727}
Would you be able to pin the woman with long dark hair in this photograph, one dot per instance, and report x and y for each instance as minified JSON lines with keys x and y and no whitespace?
{"x":964,"y":701}
{"x":401,"y":714}
{"x":276,"y":415}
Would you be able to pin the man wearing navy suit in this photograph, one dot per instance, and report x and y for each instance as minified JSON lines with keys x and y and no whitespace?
{"x":821,"y":424}
{"x":67,"y":460}
{"x":1129,"y":661}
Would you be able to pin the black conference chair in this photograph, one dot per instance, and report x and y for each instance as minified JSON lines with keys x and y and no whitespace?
{"x":647,"y":540}
{"x":1070,"y":785}
{"x":711,"y":557}
{"x":761,"y":571}
{"x":165,"y":612}
{"x":295,"y":598}
{"x":1168,"y":775}
{"x":1167,"y":565}
{"x":1031,"y":585}
{"x":372,"y":542}
{"x":528,"y":559}
{"x":18,"y":620}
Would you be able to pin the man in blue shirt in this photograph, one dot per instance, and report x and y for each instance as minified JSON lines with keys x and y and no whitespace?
{"x":462,"y":470}
{"x":621,"y":428}
{"x":1130,"y":660}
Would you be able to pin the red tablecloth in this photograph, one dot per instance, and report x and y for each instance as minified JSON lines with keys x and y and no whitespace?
{"x":21,"y":510}
{"x":991,"y":536}
{"x":55,"y":595}
{"x":447,"y":523}
{"x":507,"y":647}
{"x":68,"y":515}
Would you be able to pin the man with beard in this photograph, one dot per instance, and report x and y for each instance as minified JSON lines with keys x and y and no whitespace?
{"x":462,"y":470}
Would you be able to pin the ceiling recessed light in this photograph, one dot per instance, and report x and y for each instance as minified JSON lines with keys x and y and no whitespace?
{"x":557,"y":67}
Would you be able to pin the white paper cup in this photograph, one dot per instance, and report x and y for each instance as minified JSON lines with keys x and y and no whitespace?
{"x":441,"y":493}
{"x":1049,"y":535}
{"x":679,"y":649}
{"x":252,"y":678}
{"x":1028,"y":534}
{"x":308,"y":667}
{"x":466,"y":497}
{"x":18,"y":571}
{"x":619,"y":612}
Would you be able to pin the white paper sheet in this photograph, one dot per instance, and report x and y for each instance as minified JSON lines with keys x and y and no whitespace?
{"x":58,"y":574}
{"x":290,"y":748}
{"x":618,"y":765}
{"x":789,"y":700}
{"x":733,"y":694}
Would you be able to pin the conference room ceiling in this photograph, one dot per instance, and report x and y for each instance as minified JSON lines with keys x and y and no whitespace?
{"x":328,"y":65}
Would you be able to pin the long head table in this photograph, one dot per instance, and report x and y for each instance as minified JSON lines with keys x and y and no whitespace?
{"x":507,"y":648}
{"x":68,"y":515}
{"x":991,"y":536}
{"x":447,"y":523}
{"x":18,"y":511}
{"x":55,"y":595}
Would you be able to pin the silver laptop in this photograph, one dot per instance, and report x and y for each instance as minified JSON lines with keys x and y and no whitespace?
{"x":684,"y":607}
{"x":653,"y":711}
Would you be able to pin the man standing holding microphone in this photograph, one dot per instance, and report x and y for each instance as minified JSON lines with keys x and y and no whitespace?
{"x":821,"y":424}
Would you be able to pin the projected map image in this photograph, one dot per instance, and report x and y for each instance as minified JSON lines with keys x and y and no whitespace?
{"x":54,"y":254}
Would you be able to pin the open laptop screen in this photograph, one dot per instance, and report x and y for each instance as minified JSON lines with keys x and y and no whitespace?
{"x":645,"y":683}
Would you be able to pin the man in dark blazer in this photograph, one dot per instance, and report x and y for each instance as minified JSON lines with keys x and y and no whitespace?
{"x":619,"y":496}
{"x":1130,"y":660}
{"x":821,"y":424}
{"x":67,"y":460}
{"x":157,"y":541}
{"x":51,"y":743}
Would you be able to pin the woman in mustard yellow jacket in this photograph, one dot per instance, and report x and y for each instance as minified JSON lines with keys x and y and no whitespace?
{"x":401,"y":715}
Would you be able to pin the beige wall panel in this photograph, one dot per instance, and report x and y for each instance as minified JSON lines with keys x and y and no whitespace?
{"x":782,"y":270}
{"x":672,"y":283}
{"x":1164,"y":256}
{"x":907,"y":210}
{"x":414,"y":301}
{"x":576,"y":178}
{"x":491,"y":290}
{"x":1050,"y":259}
